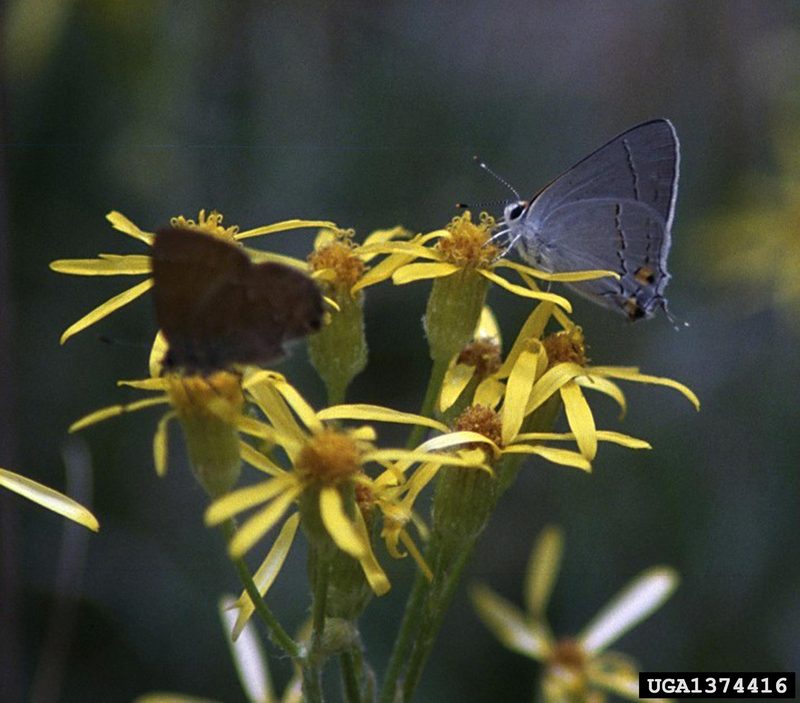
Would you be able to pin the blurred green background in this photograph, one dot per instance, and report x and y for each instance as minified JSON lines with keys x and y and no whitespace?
{"x":367,"y":114}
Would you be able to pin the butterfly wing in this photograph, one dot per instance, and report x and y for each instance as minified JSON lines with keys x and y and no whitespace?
{"x":216,"y":308}
{"x":613,"y":210}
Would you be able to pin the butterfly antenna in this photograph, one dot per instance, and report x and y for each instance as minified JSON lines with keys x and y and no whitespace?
{"x":482,"y":164}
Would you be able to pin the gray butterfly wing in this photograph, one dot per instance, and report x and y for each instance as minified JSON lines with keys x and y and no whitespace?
{"x":613,"y":210}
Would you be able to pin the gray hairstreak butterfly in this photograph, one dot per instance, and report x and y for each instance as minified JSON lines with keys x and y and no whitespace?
{"x":217,"y":308}
{"x":613,"y":210}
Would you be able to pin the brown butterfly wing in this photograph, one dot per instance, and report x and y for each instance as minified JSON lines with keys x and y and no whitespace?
{"x":216,"y":308}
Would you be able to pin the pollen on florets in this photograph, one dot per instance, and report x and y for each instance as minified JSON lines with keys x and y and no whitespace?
{"x":566,"y":346}
{"x":484,"y":355}
{"x":218,"y":395}
{"x":365,"y":500}
{"x":339,"y":257}
{"x":469,"y":242}
{"x":329,"y":457}
{"x":208,"y":224}
{"x":483,"y":420}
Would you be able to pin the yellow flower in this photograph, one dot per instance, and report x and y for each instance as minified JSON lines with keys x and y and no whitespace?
{"x":501,"y":401}
{"x":48,"y":498}
{"x":210,"y":411}
{"x":466,"y":245}
{"x":341,"y":263}
{"x":539,"y":366}
{"x":327,"y":469}
{"x":140,"y":265}
{"x":339,"y":350}
{"x":575,"y":668}
{"x":569,"y":373}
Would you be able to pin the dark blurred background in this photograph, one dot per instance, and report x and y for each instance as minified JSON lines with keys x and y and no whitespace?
{"x":367,"y":114}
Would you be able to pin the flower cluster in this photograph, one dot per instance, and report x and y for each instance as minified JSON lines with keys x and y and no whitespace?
{"x":325,"y":471}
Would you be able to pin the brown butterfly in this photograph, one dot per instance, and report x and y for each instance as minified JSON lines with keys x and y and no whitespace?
{"x":217,"y":308}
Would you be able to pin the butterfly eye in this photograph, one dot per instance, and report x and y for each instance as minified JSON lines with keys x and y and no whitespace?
{"x":515,"y":211}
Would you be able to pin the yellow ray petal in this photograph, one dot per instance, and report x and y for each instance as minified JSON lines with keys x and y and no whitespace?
{"x":258,"y":525}
{"x":48,"y":498}
{"x":339,"y":526}
{"x":564,"y":276}
{"x":297,"y":403}
{"x":382,"y":271}
{"x":412,"y":249}
{"x":254,"y":428}
{"x":261,"y":257}
{"x":106,"y":308}
{"x":114,"y":410}
{"x":580,"y":419}
{"x":456,"y":379}
{"x":550,"y":382}
{"x":375,"y":575}
{"x":381,"y":236}
{"x":245,"y":498}
{"x":602,"y":435}
{"x":259,"y":460}
{"x":518,"y":390}
{"x":407,"y":455}
{"x":533,"y":328}
{"x":455,"y":439}
{"x":122,"y":224}
{"x":603,"y":385}
{"x":525,"y":292}
{"x":625,"y":374}
{"x":157,"y":353}
{"x":510,"y":625}
{"x":489,"y":392}
{"x":542,"y":571}
{"x":267,"y":573}
{"x":553,"y":454}
{"x":418,"y":272}
{"x":283,"y":227}
{"x":160,"y":444}
{"x":104,"y":265}
{"x":363,"y":411}
{"x":145,"y":384}
{"x":288,"y":433}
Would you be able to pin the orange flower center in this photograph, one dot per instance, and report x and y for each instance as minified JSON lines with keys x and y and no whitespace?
{"x":329,"y":457}
{"x":483,"y":354}
{"x":566,"y":346}
{"x":339,"y":257}
{"x":483,"y":420}
{"x":468,"y":243}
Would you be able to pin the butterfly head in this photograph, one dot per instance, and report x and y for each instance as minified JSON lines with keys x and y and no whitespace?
{"x":514,"y":212}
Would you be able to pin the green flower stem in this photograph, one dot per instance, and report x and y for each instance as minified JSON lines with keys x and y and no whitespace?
{"x":314,"y":661}
{"x":438,"y":371}
{"x":350,"y":665}
{"x":462,"y":507}
{"x":404,"y":641}
{"x":437,"y":605}
{"x":312,"y":685}
{"x":276,"y":632}
{"x":322,"y":572}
